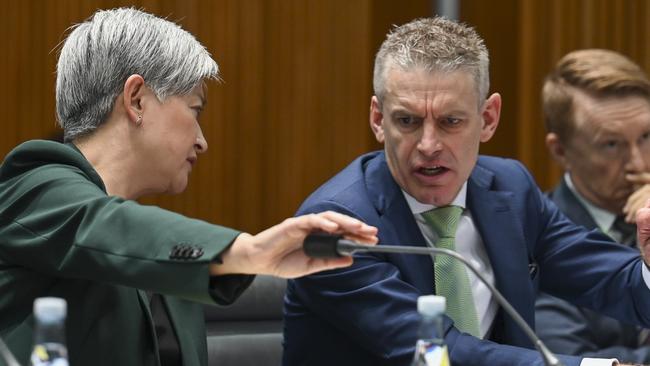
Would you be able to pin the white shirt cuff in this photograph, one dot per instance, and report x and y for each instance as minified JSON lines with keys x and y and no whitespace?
{"x":646,"y":274}
{"x":598,"y":361}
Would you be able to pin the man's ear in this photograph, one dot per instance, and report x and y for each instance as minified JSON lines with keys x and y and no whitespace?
{"x":134,"y":90}
{"x":557,"y":150}
{"x":376,"y":119}
{"x":490,"y":115}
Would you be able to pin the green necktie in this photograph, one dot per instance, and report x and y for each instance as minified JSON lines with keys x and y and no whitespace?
{"x":451,"y":276}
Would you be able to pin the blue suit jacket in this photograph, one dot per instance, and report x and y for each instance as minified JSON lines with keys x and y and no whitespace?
{"x":366,"y":314}
{"x":566,"y":328}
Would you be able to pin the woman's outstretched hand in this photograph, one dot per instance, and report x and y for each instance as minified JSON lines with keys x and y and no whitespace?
{"x":277,"y":251}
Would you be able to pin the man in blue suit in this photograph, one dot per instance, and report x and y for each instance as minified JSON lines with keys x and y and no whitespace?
{"x":597,"y":114}
{"x":431,"y":110}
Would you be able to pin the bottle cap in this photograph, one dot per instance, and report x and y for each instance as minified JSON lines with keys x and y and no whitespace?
{"x":50,"y":308}
{"x":431,"y":305}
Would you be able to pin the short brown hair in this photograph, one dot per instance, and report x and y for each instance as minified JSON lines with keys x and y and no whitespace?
{"x":598,"y":73}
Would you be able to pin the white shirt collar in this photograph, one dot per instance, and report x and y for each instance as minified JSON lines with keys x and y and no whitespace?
{"x":419,"y":207}
{"x":603,"y":218}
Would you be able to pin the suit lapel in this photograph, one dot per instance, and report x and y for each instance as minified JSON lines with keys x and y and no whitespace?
{"x":185,"y":317}
{"x":144,"y":304}
{"x":568,"y":203}
{"x":503,"y":236}
{"x":398,"y":226}
{"x":402,"y":229}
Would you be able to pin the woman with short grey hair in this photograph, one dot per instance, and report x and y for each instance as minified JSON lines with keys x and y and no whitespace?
{"x":130,"y":89}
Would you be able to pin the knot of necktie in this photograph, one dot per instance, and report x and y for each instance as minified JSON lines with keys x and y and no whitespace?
{"x":444,"y":220}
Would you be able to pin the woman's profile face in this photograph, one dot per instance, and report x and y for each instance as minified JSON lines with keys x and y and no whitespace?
{"x":173,"y":140}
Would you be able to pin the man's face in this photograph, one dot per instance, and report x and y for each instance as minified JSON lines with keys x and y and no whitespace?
{"x":431,"y":125}
{"x":611,"y":139}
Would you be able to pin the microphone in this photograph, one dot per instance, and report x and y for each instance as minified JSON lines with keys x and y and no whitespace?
{"x":324,"y":245}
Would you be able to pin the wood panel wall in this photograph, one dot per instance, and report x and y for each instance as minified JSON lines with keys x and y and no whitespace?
{"x":293,"y":105}
{"x":291,"y":111}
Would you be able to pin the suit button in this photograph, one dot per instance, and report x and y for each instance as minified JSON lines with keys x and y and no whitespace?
{"x":174,"y":253}
{"x":185,"y":252}
{"x":197,"y":252}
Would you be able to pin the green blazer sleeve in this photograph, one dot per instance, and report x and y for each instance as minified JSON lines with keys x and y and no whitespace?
{"x":62,"y":235}
{"x":56,"y":218}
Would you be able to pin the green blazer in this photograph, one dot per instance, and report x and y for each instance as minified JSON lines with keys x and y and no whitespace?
{"x":62,"y":235}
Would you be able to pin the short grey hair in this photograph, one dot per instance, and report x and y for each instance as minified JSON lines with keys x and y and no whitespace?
{"x":435,"y":44}
{"x":101,"y":53}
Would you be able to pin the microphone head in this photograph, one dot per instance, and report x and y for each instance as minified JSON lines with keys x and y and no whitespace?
{"x":321,"y":245}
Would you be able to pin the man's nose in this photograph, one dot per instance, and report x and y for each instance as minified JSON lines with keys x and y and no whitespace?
{"x":430,"y":142}
{"x":637,"y":160}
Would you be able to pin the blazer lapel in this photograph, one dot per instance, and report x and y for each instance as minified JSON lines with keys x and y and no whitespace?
{"x":503,"y":236}
{"x":144,"y":304}
{"x":185,"y":317}
{"x":568,"y":203}
{"x":398,"y":226}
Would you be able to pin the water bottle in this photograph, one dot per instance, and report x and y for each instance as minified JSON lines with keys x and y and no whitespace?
{"x":49,"y":332}
{"x":430,"y":348}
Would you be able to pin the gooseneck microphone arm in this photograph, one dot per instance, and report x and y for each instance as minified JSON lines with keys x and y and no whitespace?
{"x":323,"y":245}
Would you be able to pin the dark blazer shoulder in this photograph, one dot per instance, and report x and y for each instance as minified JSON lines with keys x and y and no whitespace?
{"x":348,"y":190}
{"x":501,"y":173}
{"x":36,"y":156}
